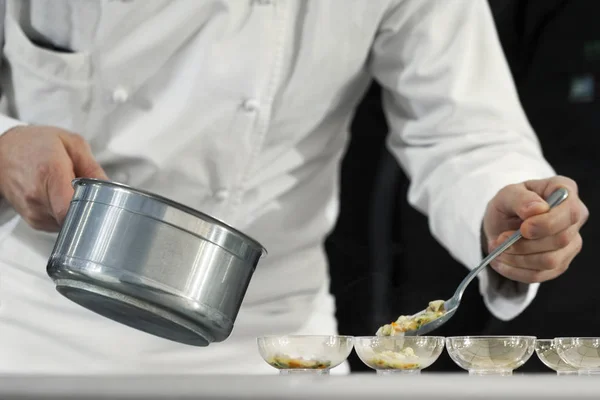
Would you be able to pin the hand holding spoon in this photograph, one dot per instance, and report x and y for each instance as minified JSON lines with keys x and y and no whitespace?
{"x":451,"y":305}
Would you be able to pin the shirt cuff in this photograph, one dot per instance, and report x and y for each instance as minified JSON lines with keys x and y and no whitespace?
{"x":7,"y":123}
{"x":504,"y":298}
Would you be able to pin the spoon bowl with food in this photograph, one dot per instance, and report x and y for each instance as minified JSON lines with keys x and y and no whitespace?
{"x":412,"y":325}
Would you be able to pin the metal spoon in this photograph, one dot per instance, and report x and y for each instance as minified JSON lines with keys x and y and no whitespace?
{"x":451,"y":305}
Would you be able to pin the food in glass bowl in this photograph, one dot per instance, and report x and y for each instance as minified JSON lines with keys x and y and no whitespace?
{"x":406,"y":323}
{"x":311,"y":354}
{"x":396,"y":359}
{"x":398,"y":354}
{"x":282,"y":361}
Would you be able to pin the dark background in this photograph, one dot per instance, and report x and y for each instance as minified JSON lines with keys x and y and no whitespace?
{"x":381,"y":251}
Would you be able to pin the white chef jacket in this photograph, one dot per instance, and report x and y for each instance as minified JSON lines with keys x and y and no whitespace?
{"x":241,"y":109}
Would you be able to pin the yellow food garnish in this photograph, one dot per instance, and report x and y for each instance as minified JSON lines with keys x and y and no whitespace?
{"x":286,"y":362}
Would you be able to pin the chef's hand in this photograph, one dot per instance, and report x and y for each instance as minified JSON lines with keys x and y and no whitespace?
{"x":550,"y":240}
{"x":37,"y":164}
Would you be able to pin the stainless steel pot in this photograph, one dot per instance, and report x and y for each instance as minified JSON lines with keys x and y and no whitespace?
{"x":152,"y":264}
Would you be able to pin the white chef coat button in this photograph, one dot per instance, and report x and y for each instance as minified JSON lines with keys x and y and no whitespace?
{"x":250,"y":105}
{"x":120,"y":95}
{"x":221,"y":194}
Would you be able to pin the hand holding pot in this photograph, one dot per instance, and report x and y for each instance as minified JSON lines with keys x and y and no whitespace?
{"x":37,"y":165}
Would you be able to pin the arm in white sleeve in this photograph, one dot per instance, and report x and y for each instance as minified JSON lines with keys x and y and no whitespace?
{"x":456,"y":126}
{"x":6,"y":122}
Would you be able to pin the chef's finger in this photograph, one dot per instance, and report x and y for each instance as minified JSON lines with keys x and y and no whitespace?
{"x":545,"y":187}
{"x":546,"y":261}
{"x":533,"y":246}
{"x":34,"y":207}
{"x":517,"y":200}
{"x":41,"y":220}
{"x":526,"y":275}
{"x":572,"y":212}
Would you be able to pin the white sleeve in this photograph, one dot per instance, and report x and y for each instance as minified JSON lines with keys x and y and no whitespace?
{"x":8,"y":218}
{"x":6,"y":122}
{"x":456,"y":126}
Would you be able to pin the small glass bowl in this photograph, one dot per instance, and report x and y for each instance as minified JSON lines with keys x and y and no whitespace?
{"x":490,"y":355}
{"x":547,"y":353}
{"x":305,"y":354}
{"x":581,"y":353}
{"x":398,"y":354}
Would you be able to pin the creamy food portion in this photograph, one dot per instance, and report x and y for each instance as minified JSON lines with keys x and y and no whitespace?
{"x":403,"y":359}
{"x":282,"y":361}
{"x":405,"y":323}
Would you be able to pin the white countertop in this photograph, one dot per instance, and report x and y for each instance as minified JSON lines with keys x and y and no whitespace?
{"x":355,"y":386}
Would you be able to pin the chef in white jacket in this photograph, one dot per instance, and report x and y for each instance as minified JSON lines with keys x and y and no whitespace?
{"x":240,"y":109}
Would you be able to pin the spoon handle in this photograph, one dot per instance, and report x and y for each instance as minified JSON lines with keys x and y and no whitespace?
{"x":553,"y":200}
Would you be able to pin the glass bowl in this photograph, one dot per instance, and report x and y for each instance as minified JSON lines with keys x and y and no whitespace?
{"x":547,"y":353}
{"x":490,"y":355}
{"x":312,"y":354}
{"x":398,"y":354}
{"x":580,"y":353}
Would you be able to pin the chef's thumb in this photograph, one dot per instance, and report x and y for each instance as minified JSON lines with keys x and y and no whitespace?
{"x":60,"y":191}
{"x":84,"y":163}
